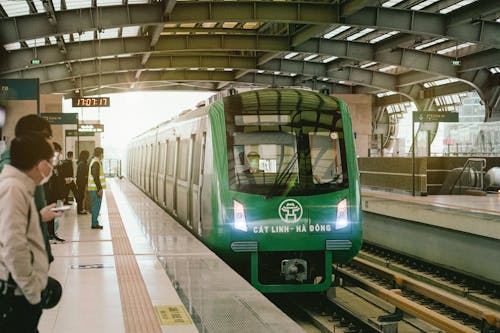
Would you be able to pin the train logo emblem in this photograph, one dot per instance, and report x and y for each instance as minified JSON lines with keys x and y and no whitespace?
{"x":290,"y":211}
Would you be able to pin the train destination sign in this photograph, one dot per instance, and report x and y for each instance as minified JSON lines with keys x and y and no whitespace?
{"x":89,"y":102}
{"x":435,"y":117}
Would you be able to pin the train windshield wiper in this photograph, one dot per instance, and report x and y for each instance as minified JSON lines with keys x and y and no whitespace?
{"x":284,"y":175}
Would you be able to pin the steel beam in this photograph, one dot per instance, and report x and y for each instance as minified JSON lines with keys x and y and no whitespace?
{"x":420,"y":22}
{"x":20,"y":28}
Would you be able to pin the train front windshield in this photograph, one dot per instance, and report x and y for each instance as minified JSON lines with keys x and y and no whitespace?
{"x":288,"y":163}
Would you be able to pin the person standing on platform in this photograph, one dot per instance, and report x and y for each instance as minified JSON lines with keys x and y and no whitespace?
{"x":68,"y":173}
{"x":82,"y":179}
{"x":29,"y":124}
{"x":24,"y":263}
{"x":96,"y":185}
{"x":54,"y":191}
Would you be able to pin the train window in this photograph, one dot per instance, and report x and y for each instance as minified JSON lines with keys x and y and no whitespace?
{"x":170,"y":157}
{"x":162,"y":164}
{"x":275,"y":163}
{"x":326,"y":159}
{"x":183,"y":159}
{"x":196,"y":159}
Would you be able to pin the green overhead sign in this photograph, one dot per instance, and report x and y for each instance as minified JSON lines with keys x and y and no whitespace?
{"x":59,"y":118}
{"x":435,"y":117}
{"x":76,"y":133}
{"x":19,"y":89}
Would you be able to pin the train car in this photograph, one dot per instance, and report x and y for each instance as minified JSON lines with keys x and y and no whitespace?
{"x":268,"y":179}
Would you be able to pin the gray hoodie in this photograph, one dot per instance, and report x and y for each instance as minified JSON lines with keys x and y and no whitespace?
{"x":22,"y":248}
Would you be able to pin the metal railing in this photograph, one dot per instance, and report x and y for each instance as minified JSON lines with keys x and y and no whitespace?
{"x":474,"y":169}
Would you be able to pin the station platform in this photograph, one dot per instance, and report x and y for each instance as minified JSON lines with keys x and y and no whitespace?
{"x":144,"y":273}
{"x":461,"y":232}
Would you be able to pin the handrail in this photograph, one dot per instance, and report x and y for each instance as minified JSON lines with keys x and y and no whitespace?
{"x":483,"y":166}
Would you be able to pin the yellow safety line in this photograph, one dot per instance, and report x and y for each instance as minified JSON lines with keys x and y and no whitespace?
{"x":138,"y":312}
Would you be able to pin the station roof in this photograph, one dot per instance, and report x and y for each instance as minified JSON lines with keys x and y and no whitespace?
{"x":398,"y":50}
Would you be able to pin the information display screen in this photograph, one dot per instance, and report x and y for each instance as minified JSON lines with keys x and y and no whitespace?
{"x":90,"y":102}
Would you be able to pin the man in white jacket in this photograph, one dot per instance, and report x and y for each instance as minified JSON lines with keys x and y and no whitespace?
{"x":24,"y":262}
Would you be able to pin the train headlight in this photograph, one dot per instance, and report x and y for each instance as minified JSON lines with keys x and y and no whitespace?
{"x":342,"y":221}
{"x":240,"y":222}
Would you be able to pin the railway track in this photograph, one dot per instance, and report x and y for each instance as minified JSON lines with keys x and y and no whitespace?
{"x":382,"y":295}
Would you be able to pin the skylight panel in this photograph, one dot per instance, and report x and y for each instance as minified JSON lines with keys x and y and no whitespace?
{"x":229,"y":25}
{"x":53,"y":40}
{"x":384,"y":36}
{"x":130,"y":2}
{"x":454,"y":48}
{"x":456,"y":6}
{"x":38,"y":6}
{"x":251,"y":25}
{"x":424,"y":4}
{"x":360,"y":33}
{"x":388,"y":68}
{"x":76,"y":4}
{"x":310,"y":57}
{"x":370,"y":64}
{"x":108,"y":33}
{"x":15,"y":8}
{"x":391,"y":3}
{"x":87,"y":35}
{"x":130,"y":31}
{"x":107,"y":3}
{"x":188,"y":25}
{"x":291,"y":55}
{"x":327,"y":60}
{"x":439,"y":82}
{"x":35,"y":42}
{"x":12,"y":46}
{"x":208,"y":24}
{"x":336,"y":31}
{"x":386,"y":93}
{"x":495,"y":70}
{"x":429,"y":44}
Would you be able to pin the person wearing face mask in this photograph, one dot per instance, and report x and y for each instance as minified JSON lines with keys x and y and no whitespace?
{"x":24,"y":263}
{"x":36,"y":124}
{"x":55,"y":190}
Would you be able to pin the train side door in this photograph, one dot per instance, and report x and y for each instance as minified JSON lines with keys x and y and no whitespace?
{"x":162,"y":172}
{"x":183,"y":180}
{"x":197,"y":181}
{"x":171,"y":175}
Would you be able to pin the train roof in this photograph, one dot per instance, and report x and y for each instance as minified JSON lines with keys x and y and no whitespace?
{"x":282,"y":101}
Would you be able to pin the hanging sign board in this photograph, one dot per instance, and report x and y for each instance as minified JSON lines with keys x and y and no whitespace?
{"x":91,"y":128}
{"x":435,"y":117}
{"x":60,"y":118}
{"x":77,"y":133}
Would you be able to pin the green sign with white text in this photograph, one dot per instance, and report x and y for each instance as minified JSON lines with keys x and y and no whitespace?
{"x":76,"y":133}
{"x":435,"y":117}
{"x":59,"y":118}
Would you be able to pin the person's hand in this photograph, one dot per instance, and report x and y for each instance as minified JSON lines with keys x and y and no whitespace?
{"x":99,"y":193}
{"x":48,"y":215}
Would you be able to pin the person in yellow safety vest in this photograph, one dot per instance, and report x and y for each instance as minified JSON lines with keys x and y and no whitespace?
{"x":96,"y":185}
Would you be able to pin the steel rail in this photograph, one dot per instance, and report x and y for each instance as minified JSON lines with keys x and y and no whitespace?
{"x":492,"y":317}
{"x":393,"y":296}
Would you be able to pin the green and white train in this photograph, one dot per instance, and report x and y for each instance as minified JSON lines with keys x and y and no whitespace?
{"x":268,"y":179}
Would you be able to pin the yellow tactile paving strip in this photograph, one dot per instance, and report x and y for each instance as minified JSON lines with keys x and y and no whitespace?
{"x":138,"y":311}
